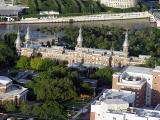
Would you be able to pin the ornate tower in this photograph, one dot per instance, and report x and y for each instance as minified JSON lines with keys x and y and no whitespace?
{"x":80,"y":39}
{"x":28,"y":37}
{"x":18,"y":42}
{"x":126,"y":45}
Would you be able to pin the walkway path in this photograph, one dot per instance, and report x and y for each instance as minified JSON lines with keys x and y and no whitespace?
{"x":96,"y":17}
{"x":86,"y":106}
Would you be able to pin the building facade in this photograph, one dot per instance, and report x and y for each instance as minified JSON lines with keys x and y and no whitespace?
{"x":11,"y":92}
{"x":116,"y":105}
{"x":145,"y":82}
{"x":156,"y":86}
{"x":9,"y":11}
{"x":119,"y":3}
{"x":86,"y":56}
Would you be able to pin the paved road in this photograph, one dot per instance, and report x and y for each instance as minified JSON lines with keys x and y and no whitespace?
{"x":22,"y":75}
{"x":86,"y":106}
{"x":4,"y":72}
{"x":19,"y":115}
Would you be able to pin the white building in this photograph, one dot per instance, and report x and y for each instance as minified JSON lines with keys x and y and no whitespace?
{"x":119,"y":3}
{"x":11,"y":92}
{"x":54,"y":13}
{"x":115,"y":105}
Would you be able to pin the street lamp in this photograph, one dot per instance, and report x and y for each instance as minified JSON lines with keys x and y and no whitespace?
{"x":73,"y":107}
{"x":109,"y":35}
{"x":94,"y":93}
{"x":69,"y":115}
{"x":82,"y":103}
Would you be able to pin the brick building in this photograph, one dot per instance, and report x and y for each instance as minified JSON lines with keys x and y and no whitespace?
{"x":145,"y":82}
{"x":82,"y":55}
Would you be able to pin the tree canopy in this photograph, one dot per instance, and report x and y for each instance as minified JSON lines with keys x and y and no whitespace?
{"x":23,"y":63}
{"x":53,"y":89}
{"x":76,"y":7}
{"x":142,"y":41}
{"x":104,"y":76}
{"x":7,"y":50}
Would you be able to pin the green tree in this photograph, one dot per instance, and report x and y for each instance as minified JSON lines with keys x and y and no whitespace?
{"x":10,"y":40}
{"x":103,"y":75}
{"x":10,"y":107}
{"x":46,"y":64}
{"x":25,"y":108}
{"x":7,"y":55}
{"x":86,"y":89}
{"x":53,"y":89}
{"x":36,"y":110}
{"x":51,"y":111}
{"x":23,"y":63}
{"x":36,"y":63}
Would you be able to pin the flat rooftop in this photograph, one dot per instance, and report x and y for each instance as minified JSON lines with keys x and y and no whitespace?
{"x":118,"y":94}
{"x":140,"y":70}
{"x":139,"y":112}
{"x":157,"y":68}
{"x":15,"y":90}
{"x":105,"y":52}
{"x":4,"y":80}
{"x":10,"y":10}
{"x":115,"y":101}
{"x":131,"y":80}
{"x":93,"y":65}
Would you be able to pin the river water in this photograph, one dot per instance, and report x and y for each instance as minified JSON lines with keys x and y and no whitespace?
{"x":128,"y":24}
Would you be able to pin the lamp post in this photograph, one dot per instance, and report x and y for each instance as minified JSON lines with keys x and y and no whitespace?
{"x":94,"y":93}
{"x":82,"y":104}
{"x":73,"y":107}
{"x":68,"y":114}
{"x":109,"y":36}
